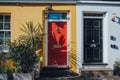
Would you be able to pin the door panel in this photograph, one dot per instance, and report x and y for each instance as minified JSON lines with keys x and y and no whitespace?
{"x":57,"y":44}
{"x":88,"y":36}
{"x":92,"y":40}
{"x":96,"y":53}
{"x":88,"y":56}
{"x":96,"y":35}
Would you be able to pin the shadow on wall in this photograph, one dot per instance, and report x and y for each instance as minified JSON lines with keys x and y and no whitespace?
{"x":73,"y":58}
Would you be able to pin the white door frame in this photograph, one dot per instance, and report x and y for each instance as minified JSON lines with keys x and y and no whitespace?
{"x":104,"y":18}
{"x":46,"y":39}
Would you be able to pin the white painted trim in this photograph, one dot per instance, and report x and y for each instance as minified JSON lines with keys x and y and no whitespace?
{"x":46,"y":38}
{"x":80,"y":35}
{"x":62,"y":2}
{"x":68,"y":38}
{"x":102,"y":33}
{"x":61,"y":20}
{"x":105,"y":38}
{"x":46,"y":42}
{"x":99,"y":2}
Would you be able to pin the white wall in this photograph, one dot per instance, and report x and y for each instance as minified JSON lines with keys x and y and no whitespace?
{"x":109,"y":29}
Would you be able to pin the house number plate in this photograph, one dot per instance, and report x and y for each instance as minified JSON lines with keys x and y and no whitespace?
{"x":57,"y":46}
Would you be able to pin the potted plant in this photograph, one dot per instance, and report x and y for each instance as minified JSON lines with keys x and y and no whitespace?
{"x":23,"y":50}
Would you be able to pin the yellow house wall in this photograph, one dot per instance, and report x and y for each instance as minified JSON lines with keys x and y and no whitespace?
{"x":21,"y":13}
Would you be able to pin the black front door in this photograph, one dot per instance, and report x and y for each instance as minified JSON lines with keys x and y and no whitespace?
{"x":92,"y":40}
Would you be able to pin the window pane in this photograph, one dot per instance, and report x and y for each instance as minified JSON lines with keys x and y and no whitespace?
{"x":7,"y":34}
{"x":1,"y":18}
{"x":93,"y":14}
{"x":7,"y":26}
{"x":1,"y":41}
{"x":1,"y":35}
{"x":7,"y":18}
{"x":57,"y":16}
{"x":7,"y":40}
{"x":4,"y":25}
{"x":54,"y":16}
{"x":64,"y":16}
{"x":1,"y":26}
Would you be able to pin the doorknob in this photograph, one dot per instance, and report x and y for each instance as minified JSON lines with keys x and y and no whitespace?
{"x":93,"y":45}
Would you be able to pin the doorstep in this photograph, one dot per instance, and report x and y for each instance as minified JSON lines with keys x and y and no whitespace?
{"x":94,"y":65}
{"x":96,"y":72}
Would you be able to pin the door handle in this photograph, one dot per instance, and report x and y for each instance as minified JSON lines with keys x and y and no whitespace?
{"x":93,"y":45}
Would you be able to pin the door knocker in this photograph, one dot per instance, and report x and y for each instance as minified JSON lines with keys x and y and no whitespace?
{"x":57,"y":30}
{"x":93,"y":45}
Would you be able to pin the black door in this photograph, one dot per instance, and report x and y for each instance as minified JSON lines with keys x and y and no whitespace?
{"x":92,"y":40}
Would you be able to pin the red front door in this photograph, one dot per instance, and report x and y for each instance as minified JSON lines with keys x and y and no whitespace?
{"x":57,"y":43}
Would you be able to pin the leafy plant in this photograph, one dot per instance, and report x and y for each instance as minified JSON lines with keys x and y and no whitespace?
{"x":23,"y":50}
{"x":4,"y":69}
{"x":3,"y":58}
{"x":24,"y":56}
{"x":32,"y":34}
{"x":117,"y":63}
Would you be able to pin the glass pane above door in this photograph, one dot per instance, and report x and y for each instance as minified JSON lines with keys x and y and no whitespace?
{"x":57,"y":16}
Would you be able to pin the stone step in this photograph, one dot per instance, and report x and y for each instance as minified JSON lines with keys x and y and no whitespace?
{"x":56,"y":72}
{"x":96,"y":72}
{"x":55,"y":68}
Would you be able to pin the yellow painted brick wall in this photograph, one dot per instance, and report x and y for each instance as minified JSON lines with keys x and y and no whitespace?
{"x":22,"y":13}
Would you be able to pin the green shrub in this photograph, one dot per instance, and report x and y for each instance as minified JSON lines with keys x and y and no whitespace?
{"x":23,"y":50}
{"x":117,"y":63}
{"x":24,"y":56}
{"x":4,"y":69}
